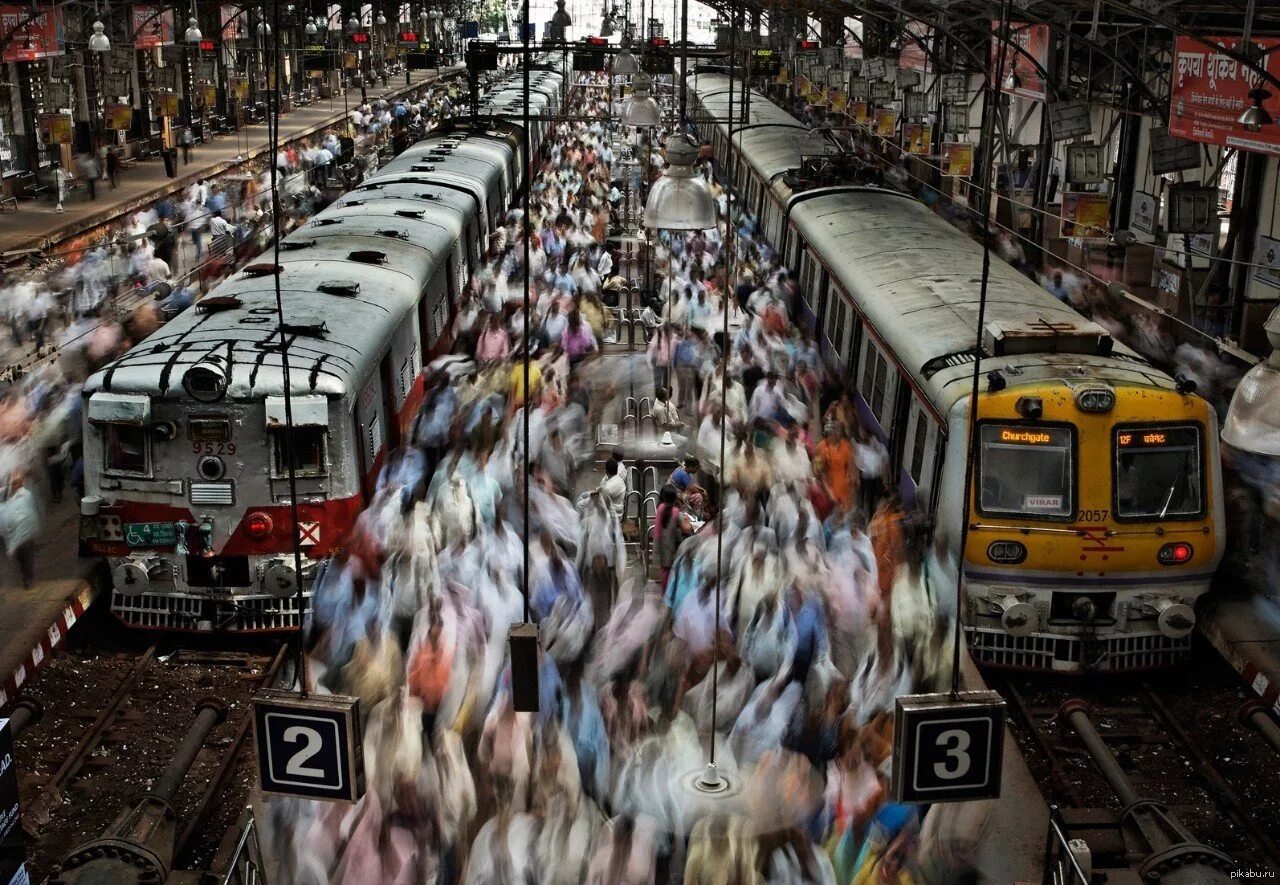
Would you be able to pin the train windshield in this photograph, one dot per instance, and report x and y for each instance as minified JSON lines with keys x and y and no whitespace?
{"x":1158,"y":472}
{"x":1027,"y":470}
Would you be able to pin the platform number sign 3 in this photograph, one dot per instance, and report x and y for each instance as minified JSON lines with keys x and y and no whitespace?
{"x":309,"y":747}
{"x":948,"y":750}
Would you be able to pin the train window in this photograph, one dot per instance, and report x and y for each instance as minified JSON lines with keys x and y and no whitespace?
{"x":1158,"y":473}
{"x":308,"y":455}
{"x":1027,"y":469}
{"x":125,"y":447}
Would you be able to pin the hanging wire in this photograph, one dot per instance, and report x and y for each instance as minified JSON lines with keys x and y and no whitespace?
{"x":526,"y":151}
{"x":991,"y":98}
{"x":730,"y":248}
{"x":273,"y":126}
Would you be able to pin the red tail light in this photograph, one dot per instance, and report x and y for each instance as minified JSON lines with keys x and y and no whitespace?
{"x":257,"y":525}
{"x":1175,"y":554}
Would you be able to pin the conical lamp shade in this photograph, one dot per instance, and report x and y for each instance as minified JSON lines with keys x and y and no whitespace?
{"x":680,"y":200}
{"x":625,"y":63}
{"x":640,"y":109}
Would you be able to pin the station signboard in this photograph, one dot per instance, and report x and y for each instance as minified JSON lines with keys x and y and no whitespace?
{"x":13,"y":841}
{"x":948,"y":749}
{"x":309,"y":747}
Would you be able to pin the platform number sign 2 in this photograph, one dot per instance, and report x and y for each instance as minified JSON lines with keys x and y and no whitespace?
{"x":948,"y":749}
{"x":309,"y":747}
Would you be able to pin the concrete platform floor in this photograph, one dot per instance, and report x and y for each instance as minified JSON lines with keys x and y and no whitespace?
{"x":37,"y":224}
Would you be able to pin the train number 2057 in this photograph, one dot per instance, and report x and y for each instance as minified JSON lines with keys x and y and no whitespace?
{"x":1092,"y":515}
{"x":212,"y":448}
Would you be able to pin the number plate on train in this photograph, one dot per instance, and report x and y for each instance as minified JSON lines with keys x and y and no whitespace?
{"x":150,"y":534}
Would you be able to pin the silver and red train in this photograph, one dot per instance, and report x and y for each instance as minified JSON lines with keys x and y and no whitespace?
{"x":186,"y":455}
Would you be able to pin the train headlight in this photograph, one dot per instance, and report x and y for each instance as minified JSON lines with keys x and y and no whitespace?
{"x":1177,"y":553}
{"x":1030,"y":407}
{"x":1096,"y":400}
{"x":1006,"y":552}
{"x":258,"y":525}
{"x":206,"y":381}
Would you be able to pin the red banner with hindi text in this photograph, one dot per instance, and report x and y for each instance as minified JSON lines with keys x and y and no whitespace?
{"x":1211,"y":89}
{"x":31,"y":38}
{"x":1028,"y":47}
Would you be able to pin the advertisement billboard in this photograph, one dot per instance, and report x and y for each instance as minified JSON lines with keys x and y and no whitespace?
{"x":33,"y":37}
{"x":1028,"y":42}
{"x":151,"y":26}
{"x":1086,"y":215}
{"x":1211,"y":89}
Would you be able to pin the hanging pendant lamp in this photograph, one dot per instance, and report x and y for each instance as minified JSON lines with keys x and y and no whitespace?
{"x":680,"y":200}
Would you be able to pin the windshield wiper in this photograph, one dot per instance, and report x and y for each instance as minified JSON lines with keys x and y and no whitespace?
{"x":1168,"y":499}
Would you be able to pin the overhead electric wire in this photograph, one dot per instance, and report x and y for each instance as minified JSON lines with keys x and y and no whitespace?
{"x":273,"y":126}
{"x":526,"y":152}
{"x":991,"y":96}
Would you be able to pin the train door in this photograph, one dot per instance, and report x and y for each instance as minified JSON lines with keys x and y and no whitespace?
{"x":876,"y":384}
{"x":919,"y":454}
{"x":390,"y":408}
{"x":453,"y":281}
{"x":368,"y":439}
{"x":837,"y":320}
{"x":406,"y":364}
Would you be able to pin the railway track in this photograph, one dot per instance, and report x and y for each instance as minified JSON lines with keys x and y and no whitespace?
{"x":1178,"y":739}
{"x":112,"y":721}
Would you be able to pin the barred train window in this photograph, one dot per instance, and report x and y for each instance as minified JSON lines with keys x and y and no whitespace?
{"x":308,"y":451}
{"x":124,"y":447}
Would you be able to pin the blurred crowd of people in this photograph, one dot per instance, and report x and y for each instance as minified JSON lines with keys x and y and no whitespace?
{"x":89,"y":305}
{"x":778,"y":596}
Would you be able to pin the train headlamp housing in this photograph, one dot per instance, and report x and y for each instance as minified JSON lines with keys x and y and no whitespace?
{"x":1177,"y":553}
{"x":1006,"y":552}
{"x":206,"y":381}
{"x":1096,"y":399}
{"x":1031,"y":407}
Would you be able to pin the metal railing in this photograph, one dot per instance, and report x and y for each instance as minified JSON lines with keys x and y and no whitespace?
{"x":1062,"y":857}
{"x":246,"y":866}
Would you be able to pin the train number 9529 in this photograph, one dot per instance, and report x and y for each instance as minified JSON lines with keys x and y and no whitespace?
{"x":212,"y":448}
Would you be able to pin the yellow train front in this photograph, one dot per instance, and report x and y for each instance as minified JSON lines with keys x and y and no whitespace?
{"x":1095,"y":520}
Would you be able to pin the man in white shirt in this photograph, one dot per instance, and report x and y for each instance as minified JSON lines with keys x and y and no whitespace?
{"x":873,"y":465}
{"x":665,"y":415}
{"x":614,"y":488}
{"x":766,"y":400}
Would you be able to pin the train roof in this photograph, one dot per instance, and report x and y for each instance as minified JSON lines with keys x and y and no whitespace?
{"x":346,"y":283}
{"x":772,"y":140}
{"x":347,"y":277}
{"x":917,"y":279}
{"x":410,"y":196}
